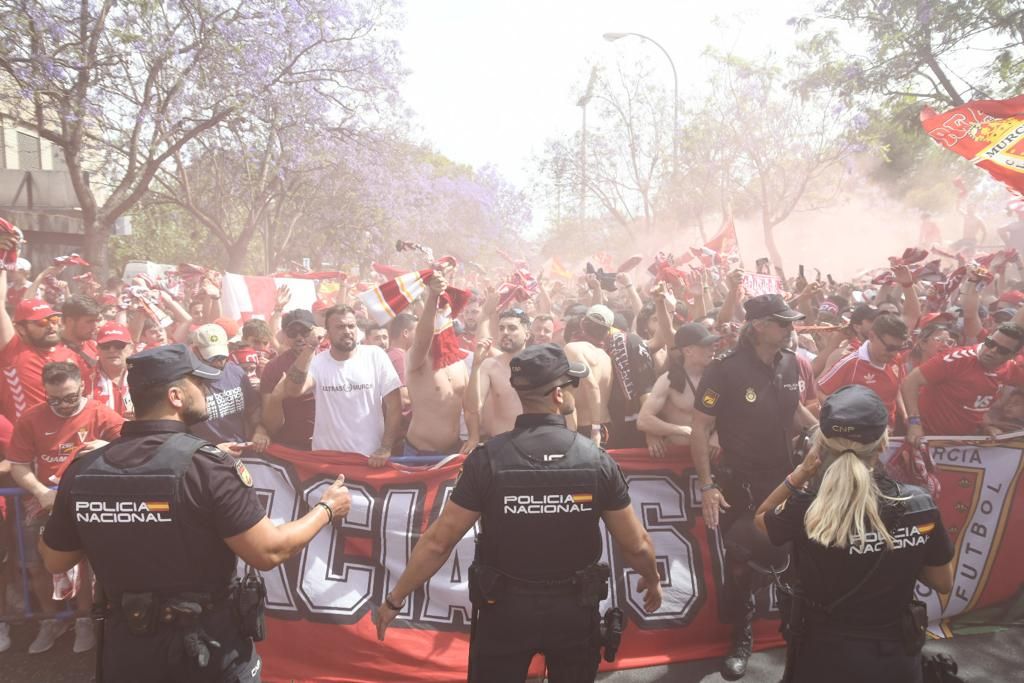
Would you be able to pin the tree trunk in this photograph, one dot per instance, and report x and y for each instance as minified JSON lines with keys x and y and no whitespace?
{"x":773,"y":251}
{"x":236,"y":257}
{"x":96,"y":239}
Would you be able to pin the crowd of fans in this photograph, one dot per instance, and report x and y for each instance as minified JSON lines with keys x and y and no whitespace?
{"x":937,"y":333}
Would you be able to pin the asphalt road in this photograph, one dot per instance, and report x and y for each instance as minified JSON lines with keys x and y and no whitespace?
{"x":988,"y":658}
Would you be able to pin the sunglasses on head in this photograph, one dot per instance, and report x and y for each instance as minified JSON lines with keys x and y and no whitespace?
{"x":115,"y":345}
{"x":997,"y":347}
{"x":52,"y":321}
{"x":69,"y":400}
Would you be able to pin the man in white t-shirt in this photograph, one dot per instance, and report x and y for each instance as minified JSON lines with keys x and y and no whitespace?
{"x":356,"y":388}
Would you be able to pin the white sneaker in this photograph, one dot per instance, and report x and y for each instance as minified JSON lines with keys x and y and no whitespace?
{"x":5,"y":636}
{"x":49,"y":631}
{"x":85,"y":636}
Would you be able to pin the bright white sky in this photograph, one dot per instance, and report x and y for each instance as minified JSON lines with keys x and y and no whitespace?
{"x":493,"y":79}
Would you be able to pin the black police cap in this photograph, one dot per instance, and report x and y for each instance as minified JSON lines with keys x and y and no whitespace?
{"x":854,"y":412}
{"x":770,"y":306}
{"x":539,"y":365}
{"x":164,"y":364}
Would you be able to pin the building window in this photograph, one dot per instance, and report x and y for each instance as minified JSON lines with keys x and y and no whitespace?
{"x":29,"y":156}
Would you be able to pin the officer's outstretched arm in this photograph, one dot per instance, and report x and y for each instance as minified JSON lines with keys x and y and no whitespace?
{"x":637,"y":550}
{"x":266,"y":545}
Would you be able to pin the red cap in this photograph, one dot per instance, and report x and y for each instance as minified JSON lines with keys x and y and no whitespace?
{"x":1012,"y":296}
{"x":112,"y":331}
{"x":33,"y":309}
{"x":939,"y":318}
{"x":320,"y":305}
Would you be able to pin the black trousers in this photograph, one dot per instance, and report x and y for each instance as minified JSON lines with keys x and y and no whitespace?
{"x":850,"y":660}
{"x":509,"y":633}
{"x":161,"y":658}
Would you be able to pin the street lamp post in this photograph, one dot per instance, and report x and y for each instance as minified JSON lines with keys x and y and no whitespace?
{"x":612,"y":37}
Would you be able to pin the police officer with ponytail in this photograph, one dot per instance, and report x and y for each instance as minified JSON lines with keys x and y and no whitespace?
{"x":860,"y":542}
{"x":162,"y":517}
{"x":540,"y":491}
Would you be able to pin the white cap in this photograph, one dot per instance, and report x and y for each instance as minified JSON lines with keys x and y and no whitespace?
{"x":211,"y":341}
{"x":23,"y":264}
{"x":601,"y":314}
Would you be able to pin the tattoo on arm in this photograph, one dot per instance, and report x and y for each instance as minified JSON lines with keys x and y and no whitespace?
{"x":296,"y":375}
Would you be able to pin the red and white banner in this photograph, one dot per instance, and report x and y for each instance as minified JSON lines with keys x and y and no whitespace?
{"x":254,"y":296}
{"x":755,"y":285}
{"x":320,"y":601}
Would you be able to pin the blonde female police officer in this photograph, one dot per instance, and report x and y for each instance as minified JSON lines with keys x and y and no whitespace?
{"x":860,"y":541}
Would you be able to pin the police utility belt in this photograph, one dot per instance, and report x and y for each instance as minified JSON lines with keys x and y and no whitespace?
{"x":145,"y":614}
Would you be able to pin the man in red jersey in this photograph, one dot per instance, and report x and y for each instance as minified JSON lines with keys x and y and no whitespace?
{"x":46,"y":438}
{"x":875,"y":364}
{"x":950,"y":393}
{"x":108,"y":383}
{"x":27,"y":343}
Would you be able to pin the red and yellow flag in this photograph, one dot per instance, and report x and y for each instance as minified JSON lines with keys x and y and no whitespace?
{"x":988,"y":133}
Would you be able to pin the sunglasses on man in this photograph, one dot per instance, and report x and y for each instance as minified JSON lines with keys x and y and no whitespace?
{"x":993,"y":345}
{"x":112,"y":346}
{"x":51,"y":321}
{"x":69,"y":400}
{"x":574,"y":382}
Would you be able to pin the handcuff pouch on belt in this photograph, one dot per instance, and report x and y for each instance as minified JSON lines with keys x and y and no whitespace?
{"x":250,"y":603}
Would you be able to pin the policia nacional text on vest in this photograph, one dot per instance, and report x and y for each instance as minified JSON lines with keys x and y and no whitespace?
{"x":162,"y":600}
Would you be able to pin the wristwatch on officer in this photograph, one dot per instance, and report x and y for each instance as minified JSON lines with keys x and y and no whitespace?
{"x":914,"y":420}
{"x":707,"y":487}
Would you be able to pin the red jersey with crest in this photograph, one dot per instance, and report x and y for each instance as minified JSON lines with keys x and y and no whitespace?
{"x":22,"y":365}
{"x":960,"y":391}
{"x":857,"y":368}
{"x":46,"y":441}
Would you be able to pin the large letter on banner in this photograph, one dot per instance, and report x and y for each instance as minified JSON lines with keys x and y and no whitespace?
{"x":319,"y":625}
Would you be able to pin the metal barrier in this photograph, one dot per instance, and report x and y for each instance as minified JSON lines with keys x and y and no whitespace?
{"x":14,"y":497}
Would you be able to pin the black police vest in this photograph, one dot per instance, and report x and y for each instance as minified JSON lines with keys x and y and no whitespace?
{"x":541,"y":518}
{"x":130,"y":522}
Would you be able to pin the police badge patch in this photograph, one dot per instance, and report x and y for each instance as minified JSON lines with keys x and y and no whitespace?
{"x":710,"y":398}
{"x":243,"y":473}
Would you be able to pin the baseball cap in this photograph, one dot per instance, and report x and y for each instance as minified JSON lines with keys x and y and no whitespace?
{"x":770,"y":306}
{"x":298,"y":315}
{"x":694,"y":334}
{"x":211,"y":341}
{"x":23,"y":264}
{"x":32,"y":309}
{"x":112,"y":331}
{"x":601,"y":314}
{"x":854,"y":412}
{"x":1012,"y":296}
{"x":539,"y":365}
{"x":164,"y":364}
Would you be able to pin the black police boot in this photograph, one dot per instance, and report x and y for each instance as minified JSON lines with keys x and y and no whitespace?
{"x":734,"y":666}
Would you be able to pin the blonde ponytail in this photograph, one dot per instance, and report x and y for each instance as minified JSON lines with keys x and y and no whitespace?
{"x":846,"y":506}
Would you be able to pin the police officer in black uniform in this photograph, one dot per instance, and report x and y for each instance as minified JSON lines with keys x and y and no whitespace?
{"x":540,"y":491}
{"x":854,"y":617}
{"x":752,"y":397}
{"x":161,"y":516}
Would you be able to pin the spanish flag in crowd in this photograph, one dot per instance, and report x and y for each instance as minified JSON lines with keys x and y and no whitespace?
{"x":988,"y":133}
{"x":386,"y":301}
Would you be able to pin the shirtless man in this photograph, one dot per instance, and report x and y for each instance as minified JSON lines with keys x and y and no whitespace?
{"x":667,"y":414}
{"x":491,"y":404}
{"x":594,"y":390}
{"x":435,"y":394}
